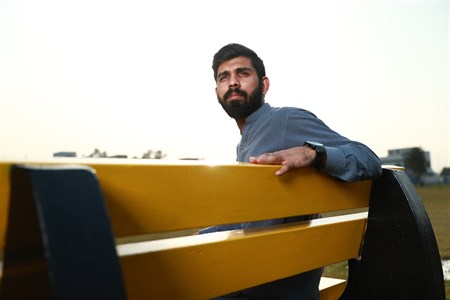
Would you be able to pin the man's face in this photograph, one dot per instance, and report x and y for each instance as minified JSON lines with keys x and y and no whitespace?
{"x":239,"y":90}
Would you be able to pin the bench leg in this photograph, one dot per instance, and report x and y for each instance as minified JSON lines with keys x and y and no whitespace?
{"x":59,"y":242}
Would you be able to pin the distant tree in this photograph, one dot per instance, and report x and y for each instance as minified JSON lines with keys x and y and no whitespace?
{"x":159,"y":154}
{"x":445,"y":174}
{"x":154,"y":154}
{"x":97,"y":154}
{"x":416,"y":162}
{"x":147,"y":155}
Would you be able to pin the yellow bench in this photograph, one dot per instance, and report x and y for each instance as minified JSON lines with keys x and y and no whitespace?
{"x":121,"y":230}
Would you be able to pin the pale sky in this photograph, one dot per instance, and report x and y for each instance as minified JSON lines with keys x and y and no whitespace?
{"x":129,"y":76}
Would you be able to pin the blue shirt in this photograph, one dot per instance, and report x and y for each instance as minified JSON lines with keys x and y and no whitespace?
{"x":271,"y":129}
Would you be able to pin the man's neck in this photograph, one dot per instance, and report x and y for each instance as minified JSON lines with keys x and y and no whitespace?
{"x":240,"y":123}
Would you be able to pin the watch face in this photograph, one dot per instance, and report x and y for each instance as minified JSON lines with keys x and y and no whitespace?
{"x":314,"y":144}
{"x":321,"y":155}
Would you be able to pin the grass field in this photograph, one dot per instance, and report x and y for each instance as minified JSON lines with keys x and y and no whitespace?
{"x":436,"y":200}
{"x":437,"y":203}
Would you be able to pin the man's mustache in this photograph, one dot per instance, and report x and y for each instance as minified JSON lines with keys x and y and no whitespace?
{"x":236,"y":91}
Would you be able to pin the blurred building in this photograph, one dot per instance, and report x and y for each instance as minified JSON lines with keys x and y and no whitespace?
{"x":65,"y":154}
{"x":396,"y":157}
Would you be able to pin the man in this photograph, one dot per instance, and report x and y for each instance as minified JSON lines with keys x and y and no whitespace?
{"x":291,"y":137}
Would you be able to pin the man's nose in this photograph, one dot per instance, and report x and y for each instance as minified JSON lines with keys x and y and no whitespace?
{"x":234,"y":81}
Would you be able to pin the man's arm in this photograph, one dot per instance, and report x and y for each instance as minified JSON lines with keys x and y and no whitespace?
{"x":351,"y":162}
{"x":346,"y":159}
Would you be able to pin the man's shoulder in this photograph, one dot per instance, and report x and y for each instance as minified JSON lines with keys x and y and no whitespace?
{"x":291,"y":111}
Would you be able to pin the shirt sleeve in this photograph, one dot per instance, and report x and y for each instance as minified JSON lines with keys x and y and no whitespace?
{"x":346,"y":159}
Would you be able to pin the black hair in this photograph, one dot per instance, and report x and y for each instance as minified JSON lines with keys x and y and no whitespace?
{"x":234,"y":50}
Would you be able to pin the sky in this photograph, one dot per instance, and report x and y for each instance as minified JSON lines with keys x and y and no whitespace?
{"x":131,"y":76}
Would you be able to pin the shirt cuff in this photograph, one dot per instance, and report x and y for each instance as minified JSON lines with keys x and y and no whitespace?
{"x":335,"y":160}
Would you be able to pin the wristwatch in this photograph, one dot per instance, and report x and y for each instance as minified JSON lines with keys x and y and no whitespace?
{"x":321,"y":154}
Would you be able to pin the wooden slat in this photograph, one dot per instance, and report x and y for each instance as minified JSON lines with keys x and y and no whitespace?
{"x":161,"y":198}
{"x":4,"y":201}
{"x":204,"y":266}
{"x":145,"y":197}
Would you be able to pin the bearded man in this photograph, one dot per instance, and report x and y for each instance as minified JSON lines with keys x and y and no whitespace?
{"x":290,"y":137}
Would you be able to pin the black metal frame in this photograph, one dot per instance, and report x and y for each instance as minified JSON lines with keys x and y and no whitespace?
{"x":400,"y":257}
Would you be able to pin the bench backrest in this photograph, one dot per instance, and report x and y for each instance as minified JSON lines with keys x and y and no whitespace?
{"x":141,"y":200}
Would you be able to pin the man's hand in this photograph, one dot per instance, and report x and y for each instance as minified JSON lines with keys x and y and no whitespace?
{"x":291,"y":158}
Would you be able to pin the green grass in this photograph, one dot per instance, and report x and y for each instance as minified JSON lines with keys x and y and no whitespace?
{"x":436,"y":200}
{"x":437,"y":203}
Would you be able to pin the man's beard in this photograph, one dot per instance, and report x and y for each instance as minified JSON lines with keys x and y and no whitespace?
{"x":238,"y":110}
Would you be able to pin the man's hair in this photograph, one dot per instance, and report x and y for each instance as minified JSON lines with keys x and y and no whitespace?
{"x":233,"y":50}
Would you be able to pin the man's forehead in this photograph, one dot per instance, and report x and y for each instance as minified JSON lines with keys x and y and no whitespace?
{"x":236,"y":63}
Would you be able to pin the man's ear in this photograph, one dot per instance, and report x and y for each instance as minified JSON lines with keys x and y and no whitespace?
{"x":265,"y":85}
{"x":217,"y":93}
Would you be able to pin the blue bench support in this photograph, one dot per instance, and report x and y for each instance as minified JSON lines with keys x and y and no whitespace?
{"x":59,"y":230}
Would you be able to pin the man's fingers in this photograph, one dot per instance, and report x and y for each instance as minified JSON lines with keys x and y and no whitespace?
{"x":267,"y":158}
{"x":288,"y":159}
{"x":282,"y":170}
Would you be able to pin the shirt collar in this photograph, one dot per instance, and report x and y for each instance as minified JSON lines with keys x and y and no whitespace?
{"x":259,"y":112}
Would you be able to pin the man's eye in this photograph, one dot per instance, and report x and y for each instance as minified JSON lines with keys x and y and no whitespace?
{"x":244,"y":74}
{"x":222,"y":78}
